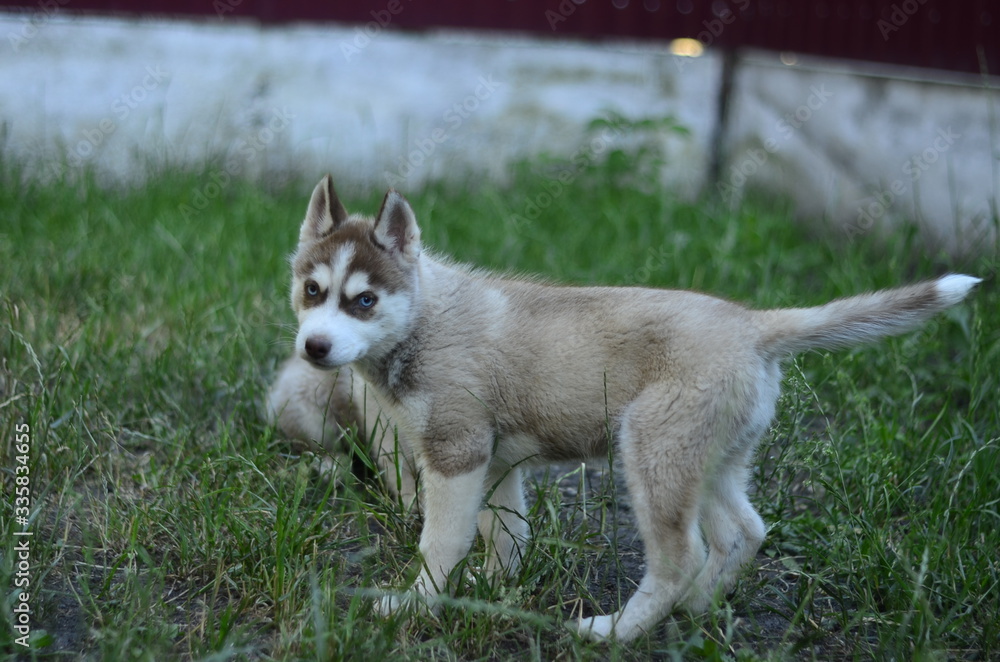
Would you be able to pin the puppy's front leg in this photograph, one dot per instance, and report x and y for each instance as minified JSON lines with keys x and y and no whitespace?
{"x":451,"y":505}
{"x":502,"y":525}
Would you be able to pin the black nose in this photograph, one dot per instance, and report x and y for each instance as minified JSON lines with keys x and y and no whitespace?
{"x":317,"y":348}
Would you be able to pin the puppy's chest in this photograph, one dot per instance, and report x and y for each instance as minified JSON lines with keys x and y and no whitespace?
{"x":398,"y":373}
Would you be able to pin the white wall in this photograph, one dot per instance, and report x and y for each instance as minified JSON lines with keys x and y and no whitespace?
{"x":864,"y":146}
{"x":396,"y":108}
{"x":400,"y":107}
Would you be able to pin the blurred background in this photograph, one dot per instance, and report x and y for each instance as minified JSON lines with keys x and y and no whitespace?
{"x":863,"y":113}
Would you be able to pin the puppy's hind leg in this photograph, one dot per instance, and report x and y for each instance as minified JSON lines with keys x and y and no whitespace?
{"x":661,"y":444}
{"x":733,"y":529}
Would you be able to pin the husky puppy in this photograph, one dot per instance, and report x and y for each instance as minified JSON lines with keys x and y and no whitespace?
{"x":484,"y":375}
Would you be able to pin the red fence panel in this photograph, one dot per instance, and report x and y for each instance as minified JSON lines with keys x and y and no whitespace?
{"x":959,"y":35}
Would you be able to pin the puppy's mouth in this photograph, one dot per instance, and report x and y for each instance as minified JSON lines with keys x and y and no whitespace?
{"x":322,"y":365}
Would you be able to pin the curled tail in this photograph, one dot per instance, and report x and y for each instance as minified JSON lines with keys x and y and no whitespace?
{"x":862,"y":318}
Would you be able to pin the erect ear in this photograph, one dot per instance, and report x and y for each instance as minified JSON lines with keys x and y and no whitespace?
{"x":396,"y":226}
{"x":325,"y":213}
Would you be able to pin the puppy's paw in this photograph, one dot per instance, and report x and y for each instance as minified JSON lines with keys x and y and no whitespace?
{"x":405,"y":604}
{"x":388,"y":605}
{"x":595,"y":628}
{"x":697,"y":604}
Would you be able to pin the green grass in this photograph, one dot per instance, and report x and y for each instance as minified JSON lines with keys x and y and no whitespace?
{"x":169,"y":522}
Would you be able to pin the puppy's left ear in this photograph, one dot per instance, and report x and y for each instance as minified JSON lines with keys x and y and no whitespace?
{"x":325,"y":213}
{"x":396,"y":227}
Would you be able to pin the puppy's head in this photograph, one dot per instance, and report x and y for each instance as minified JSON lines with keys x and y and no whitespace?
{"x":353,"y":279}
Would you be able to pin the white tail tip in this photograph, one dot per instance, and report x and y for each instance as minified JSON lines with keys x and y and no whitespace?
{"x":954,"y":287}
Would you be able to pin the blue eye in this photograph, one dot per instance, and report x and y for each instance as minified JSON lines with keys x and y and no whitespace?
{"x":366,"y":300}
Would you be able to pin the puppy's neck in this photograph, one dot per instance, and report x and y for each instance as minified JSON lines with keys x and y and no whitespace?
{"x":393,"y":372}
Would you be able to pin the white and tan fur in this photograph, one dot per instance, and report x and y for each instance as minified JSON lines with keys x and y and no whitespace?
{"x":484,"y":375}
